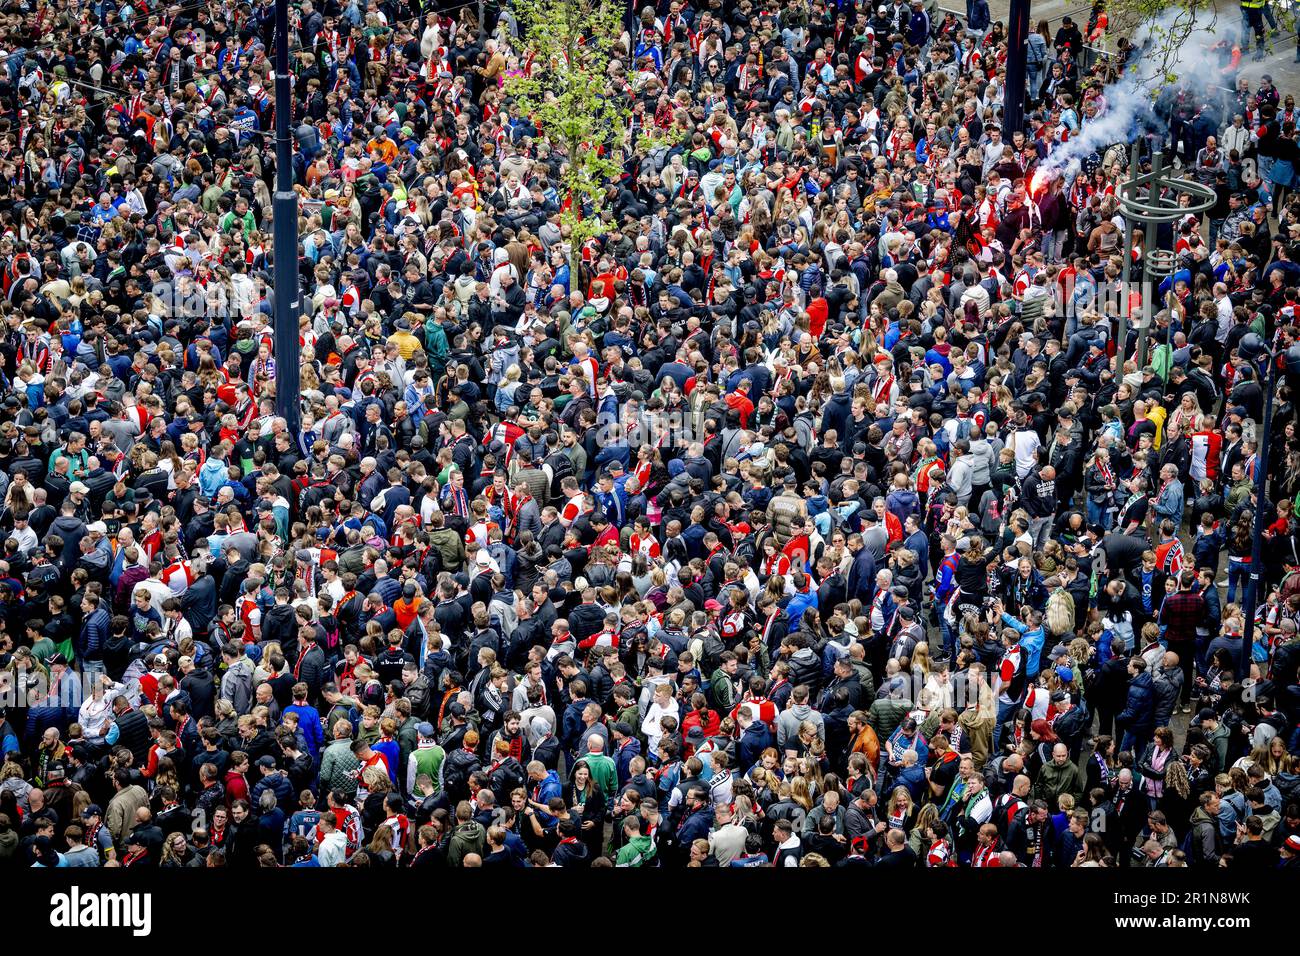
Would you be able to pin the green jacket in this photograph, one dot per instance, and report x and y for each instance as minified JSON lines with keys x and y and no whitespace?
{"x":722,"y":691}
{"x":435,"y":343}
{"x":639,"y":851}
{"x":885,"y":716}
{"x":465,"y":839}
{"x":429,"y":760}
{"x":1054,"y":781}
{"x":451,"y":548}
{"x":604,"y":773}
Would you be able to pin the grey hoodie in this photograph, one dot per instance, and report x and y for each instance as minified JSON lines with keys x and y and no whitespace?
{"x":984,"y":457}
{"x":237,"y":685}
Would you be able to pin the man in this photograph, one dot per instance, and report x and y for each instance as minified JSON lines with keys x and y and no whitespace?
{"x":1179,"y":616}
{"x":128,"y":799}
{"x":1059,"y":775}
{"x":1205,"y":844}
{"x":332,"y":849}
{"x":604,"y":772}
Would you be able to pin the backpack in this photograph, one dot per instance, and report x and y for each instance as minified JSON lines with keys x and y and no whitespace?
{"x":963,"y":429}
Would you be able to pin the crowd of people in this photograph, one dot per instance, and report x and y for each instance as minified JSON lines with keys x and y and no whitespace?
{"x":811,"y":514}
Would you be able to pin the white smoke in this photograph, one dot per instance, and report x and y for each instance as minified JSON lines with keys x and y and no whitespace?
{"x":1167,"y":48}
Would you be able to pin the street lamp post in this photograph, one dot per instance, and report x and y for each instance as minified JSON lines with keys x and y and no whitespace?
{"x":288,"y":306}
{"x":1254,"y":349}
{"x":1013,"y":97}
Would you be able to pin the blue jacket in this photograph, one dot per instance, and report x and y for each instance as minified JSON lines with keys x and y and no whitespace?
{"x":695,"y":826}
{"x":753,"y":742}
{"x":1170,"y":503}
{"x":1031,"y":641}
{"x":280,"y":785}
{"x":862,"y":576}
{"x":94,"y":632}
{"x":309,"y":721}
{"x":799,"y":602}
{"x":623,"y":759}
{"x":1140,"y":709}
{"x":913,"y":778}
{"x":571,"y":723}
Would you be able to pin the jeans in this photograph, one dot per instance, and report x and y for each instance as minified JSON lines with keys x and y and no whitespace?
{"x":949,"y":638}
{"x":91,"y":671}
{"x":1005,"y":713}
{"x":1034,"y":81}
{"x":1053,"y":244}
{"x":1040,"y":529}
{"x":1103,"y":515}
{"x":1238,"y":573}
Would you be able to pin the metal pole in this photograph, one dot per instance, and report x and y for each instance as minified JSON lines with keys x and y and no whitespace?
{"x":1013,"y":97}
{"x":1257,"y":532}
{"x":285,"y":208}
{"x":1141,"y":355}
{"x":1149,"y":243}
{"x":1121,"y":346}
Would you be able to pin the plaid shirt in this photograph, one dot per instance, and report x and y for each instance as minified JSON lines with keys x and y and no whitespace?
{"x":1180,"y":615}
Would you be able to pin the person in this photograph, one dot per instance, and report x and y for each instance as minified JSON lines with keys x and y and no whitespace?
{"x":745,"y":463}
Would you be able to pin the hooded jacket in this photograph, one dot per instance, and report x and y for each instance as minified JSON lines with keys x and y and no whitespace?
{"x":468,"y":837}
{"x":638,"y":851}
{"x":1139,"y":708}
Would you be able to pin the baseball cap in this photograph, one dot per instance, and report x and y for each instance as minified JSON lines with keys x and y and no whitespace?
{"x":91,"y":811}
{"x":79,"y":488}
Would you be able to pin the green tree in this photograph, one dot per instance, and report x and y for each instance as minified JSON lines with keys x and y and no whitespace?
{"x":575,"y":93}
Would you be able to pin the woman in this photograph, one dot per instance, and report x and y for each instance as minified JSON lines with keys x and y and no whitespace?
{"x":1094,"y":853}
{"x":1240,"y":549}
{"x":1176,"y":801}
{"x":1277,"y":759}
{"x":219,"y":832}
{"x":919,"y":839}
{"x":1043,"y":738}
{"x":587,"y":802}
{"x":1186,"y":416}
{"x":900,"y":813}
{"x":1100,"y":768}
{"x":1155,"y":760}
{"x":177,"y":852}
{"x":1037,"y":45}
{"x":380,"y":848}
{"x":1209,"y":688}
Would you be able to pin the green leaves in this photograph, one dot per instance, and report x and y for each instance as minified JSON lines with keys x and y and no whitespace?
{"x":575,"y":95}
